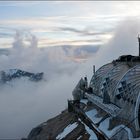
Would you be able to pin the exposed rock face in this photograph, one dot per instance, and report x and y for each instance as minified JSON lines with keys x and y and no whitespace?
{"x":11,"y":74}
{"x":53,"y":128}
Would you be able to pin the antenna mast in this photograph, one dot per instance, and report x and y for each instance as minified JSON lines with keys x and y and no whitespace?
{"x":139,"y":43}
{"x":94,"y":69}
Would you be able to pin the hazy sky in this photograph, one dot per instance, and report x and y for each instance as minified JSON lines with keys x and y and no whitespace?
{"x":64,"y":23}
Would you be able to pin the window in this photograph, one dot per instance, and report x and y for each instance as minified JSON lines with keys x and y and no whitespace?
{"x":128,"y":99}
{"x":118,"y":96}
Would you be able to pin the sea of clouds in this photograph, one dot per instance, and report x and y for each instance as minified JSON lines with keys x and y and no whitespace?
{"x":25,"y":104}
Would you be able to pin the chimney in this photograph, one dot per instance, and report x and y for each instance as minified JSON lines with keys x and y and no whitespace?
{"x":139,"y":44}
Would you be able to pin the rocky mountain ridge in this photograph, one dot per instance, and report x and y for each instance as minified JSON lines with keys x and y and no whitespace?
{"x":11,"y":74}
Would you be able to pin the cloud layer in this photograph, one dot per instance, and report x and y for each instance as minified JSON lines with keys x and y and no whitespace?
{"x":24,"y":104}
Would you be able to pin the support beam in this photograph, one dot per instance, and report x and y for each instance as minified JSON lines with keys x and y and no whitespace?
{"x":139,"y":43}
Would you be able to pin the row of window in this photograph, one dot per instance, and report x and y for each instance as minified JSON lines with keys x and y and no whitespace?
{"x":125,"y":90}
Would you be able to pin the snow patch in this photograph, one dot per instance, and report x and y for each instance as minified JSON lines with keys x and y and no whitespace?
{"x":67,"y":130}
{"x":10,"y":72}
{"x":92,"y":134}
{"x":84,"y":101}
{"x":105,"y":125}
{"x":91,"y":114}
{"x":89,"y":131}
{"x":79,"y":137}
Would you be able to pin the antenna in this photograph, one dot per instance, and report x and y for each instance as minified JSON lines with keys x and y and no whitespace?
{"x":139,"y":43}
{"x":94,"y":69}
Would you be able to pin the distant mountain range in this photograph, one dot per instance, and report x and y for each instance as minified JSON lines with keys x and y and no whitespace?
{"x":8,"y":75}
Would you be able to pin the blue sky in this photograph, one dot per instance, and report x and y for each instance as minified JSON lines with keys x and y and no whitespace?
{"x":36,"y":9}
{"x":64,"y":23}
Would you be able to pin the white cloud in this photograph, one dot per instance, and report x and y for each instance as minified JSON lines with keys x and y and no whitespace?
{"x":25,"y":104}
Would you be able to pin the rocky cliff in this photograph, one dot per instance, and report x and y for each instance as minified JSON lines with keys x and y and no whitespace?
{"x":64,"y":126}
{"x":74,"y":125}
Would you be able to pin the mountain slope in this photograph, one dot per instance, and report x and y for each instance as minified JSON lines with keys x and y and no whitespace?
{"x":64,"y":126}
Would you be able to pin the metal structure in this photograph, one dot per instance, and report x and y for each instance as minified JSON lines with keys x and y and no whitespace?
{"x":116,"y":90}
{"x":97,"y":78}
